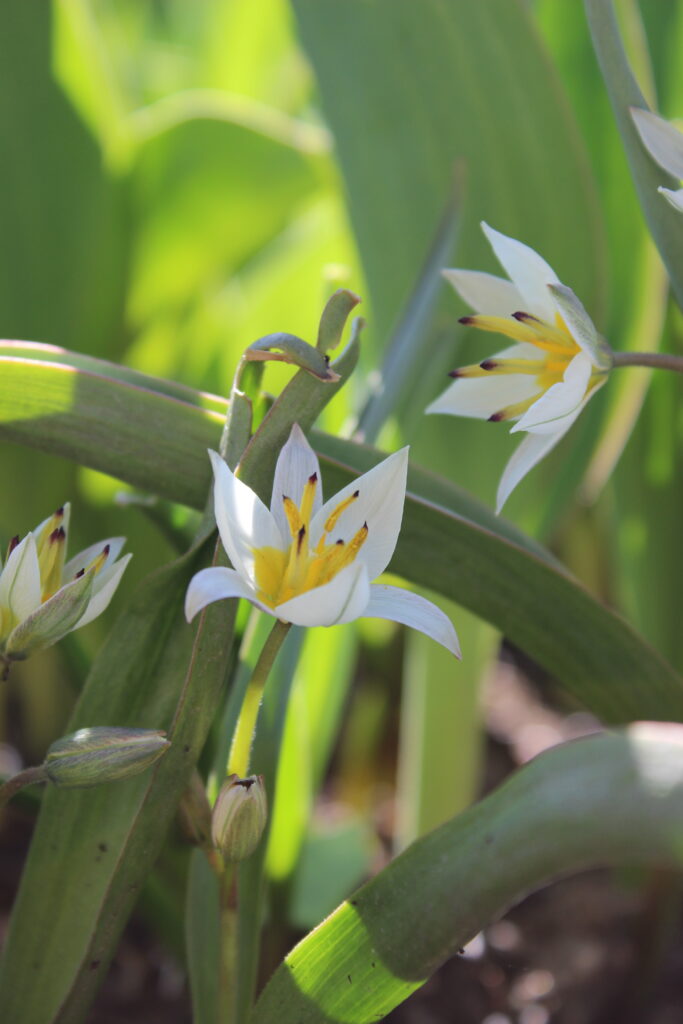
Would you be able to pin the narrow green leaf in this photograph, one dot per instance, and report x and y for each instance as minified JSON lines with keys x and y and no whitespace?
{"x":612,"y":799}
{"x":203,"y":939}
{"x":624,"y":92}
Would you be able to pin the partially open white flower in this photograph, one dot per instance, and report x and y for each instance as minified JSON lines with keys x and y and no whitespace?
{"x":43,"y":597}
{"x":545,"y":379}
{"x":664,"y":143}
{"x":311,"y":563}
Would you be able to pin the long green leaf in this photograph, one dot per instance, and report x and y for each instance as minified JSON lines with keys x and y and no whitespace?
{"x":613,"y":799}
{"x":625,"y":93}
{"x":449,"y":543}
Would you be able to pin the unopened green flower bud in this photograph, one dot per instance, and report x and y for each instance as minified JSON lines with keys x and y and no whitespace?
{"x":91,"y":756}
{"x":239,"y":816}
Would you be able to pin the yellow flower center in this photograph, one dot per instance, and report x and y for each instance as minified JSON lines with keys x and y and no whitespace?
{"x":557,"y":347}
{"x":282,"y":575}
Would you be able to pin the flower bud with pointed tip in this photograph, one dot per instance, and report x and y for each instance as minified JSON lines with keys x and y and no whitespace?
{"x":103,"y":754}
{"x":239,"y":816}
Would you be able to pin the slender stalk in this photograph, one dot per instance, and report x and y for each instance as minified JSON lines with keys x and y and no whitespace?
{"x":228,"y":963}
{"x":659,"y":360}
{"x":240,"y":751}
{"x":18,"y":781}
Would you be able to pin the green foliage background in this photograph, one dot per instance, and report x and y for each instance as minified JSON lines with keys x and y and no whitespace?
{"x":179,"y":179}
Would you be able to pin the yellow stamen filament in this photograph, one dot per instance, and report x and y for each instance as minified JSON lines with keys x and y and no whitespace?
{"x":510,"y":412}
{"x":529,"y":330}
{"x":51,"y":563}
{"x":293,"y":517}
{"x":282,"y":575}
{"x":554,"y":339}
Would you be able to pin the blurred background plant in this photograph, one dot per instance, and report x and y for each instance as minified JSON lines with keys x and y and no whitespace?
{"x":178,"y":179}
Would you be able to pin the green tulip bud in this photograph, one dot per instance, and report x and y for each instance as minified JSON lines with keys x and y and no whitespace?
{"x":239,"y":817}
{"x":91,"y":756}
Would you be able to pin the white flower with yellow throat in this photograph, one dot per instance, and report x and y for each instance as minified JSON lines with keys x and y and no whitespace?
{"x":311,"y":562}
{"x":543,"y":381}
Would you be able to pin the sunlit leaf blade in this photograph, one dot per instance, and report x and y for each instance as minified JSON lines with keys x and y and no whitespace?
{"x":450,"y":542}
{"x":613,"y":799}
{"x":663,"y":220}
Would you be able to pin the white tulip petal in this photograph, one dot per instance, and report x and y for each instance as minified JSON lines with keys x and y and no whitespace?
{"x":533,"y":448}
{"x":528,"y":271}
{"x":581,"y":326}
{"x":485,"y":293}
{"x":83,"y":559}
{"x":412,"y":610}
{"x":663,"y":142}
{"x":296,"y":463}
{"x":104,"y":587}
{"x":244,"y":522}
{"x":480,"y":397}
{"x":674,"y":197}
{"x":561,"y":401}
{"x":20,"y":581}
{"x":381,"y":494}
{"x":343,"y":599}
{"x":214,"y":584}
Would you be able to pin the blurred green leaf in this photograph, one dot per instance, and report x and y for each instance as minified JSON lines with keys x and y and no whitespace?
{"x":64,"y":251}
{"x":615,"y":799}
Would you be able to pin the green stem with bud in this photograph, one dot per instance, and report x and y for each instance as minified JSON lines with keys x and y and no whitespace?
{"x":26,"y":778}
{"x":240,"y":751}
{"x":658,"y":360}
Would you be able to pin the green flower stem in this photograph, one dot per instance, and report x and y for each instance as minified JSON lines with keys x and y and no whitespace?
{"x":228,"y":961}
{"x":658,"y":360}
{"x":240,"y":751}
{"x":18,"y":781}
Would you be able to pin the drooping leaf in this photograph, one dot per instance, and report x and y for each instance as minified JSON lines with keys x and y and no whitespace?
{"x":612,"y":799}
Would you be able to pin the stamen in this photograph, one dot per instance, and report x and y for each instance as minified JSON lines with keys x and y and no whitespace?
{"x":293,"y":516}
{"x":475,"y":370}
{"x":531,"y":366}
{"x":546,"y":336}
{"x":510,"y":412}
{"x":333,"y":518}
{"x":301,"y":537}
{"x":51,"y":561}
{"x":12,"y":545}
{"x":308,"y":497}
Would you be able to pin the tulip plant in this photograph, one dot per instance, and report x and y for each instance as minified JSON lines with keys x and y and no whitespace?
{"x":205,"y":730}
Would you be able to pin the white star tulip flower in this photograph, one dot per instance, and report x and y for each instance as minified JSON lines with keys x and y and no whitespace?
{"x":308,"y":562}
{"x":43,"y":597}
{"x":664,"y":142}
{"x":544,"y":380}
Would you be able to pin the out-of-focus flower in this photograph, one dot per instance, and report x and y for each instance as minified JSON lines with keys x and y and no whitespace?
{"x":664,"y":143}
{"x":311,"y":563}
{"x":43,"y":596}
{"x":545,"y":379}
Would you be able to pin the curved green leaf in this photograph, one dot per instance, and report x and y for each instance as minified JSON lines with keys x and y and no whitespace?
{"x":449,"y":542}
{"x":612,"y":799}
